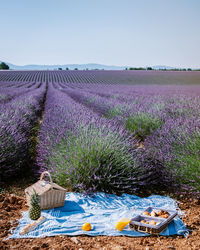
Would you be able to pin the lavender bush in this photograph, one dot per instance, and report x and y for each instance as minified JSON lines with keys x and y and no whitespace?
{"x":142,"y":124}
{"x":95,"y":159}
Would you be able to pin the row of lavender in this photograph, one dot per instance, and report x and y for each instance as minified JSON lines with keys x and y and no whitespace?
{"x":167,"y":124}
{"x":84,"y":151}
{"x":102,"y":77}
{"x":9,"y":91}
{"x":19,"y":114}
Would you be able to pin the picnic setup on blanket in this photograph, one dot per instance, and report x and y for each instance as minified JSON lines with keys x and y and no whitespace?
{"x":68,"y":213}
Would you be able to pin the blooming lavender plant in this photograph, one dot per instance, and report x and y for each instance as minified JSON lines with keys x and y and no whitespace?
{"x":95,"y":159}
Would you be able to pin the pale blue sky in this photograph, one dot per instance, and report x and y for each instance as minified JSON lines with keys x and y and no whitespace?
{"x":112,"y":32}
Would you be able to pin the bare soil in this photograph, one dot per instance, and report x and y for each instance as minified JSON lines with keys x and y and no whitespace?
{"x":13,"y":202}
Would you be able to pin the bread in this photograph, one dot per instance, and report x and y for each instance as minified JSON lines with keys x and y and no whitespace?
{"x":33,"y":225}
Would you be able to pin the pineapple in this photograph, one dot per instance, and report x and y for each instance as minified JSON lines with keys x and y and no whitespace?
{"x":34,"y":210}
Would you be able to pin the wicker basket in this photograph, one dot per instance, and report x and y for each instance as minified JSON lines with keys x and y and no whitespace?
{"x":51,"y":194}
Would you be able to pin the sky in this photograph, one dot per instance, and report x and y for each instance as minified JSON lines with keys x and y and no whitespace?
{"x":112,"y":32}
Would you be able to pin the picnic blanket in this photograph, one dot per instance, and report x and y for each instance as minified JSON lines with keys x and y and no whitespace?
{"x":102,"y":211}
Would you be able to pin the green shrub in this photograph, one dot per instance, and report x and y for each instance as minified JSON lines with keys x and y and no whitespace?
{"x":142,"y":124}
{"x":120,"y":110}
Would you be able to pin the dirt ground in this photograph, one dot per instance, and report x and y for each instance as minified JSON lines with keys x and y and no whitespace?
{"x":13,"y":202}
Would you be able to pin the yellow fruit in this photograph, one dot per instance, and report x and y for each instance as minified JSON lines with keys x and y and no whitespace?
{"x":122,"y":223}
{"x":87,"y":226}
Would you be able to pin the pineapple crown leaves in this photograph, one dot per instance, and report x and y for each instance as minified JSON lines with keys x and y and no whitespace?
{"x":35,"y":198}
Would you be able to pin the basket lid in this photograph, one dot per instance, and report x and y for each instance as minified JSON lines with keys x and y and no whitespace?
{"x":41,"y":187}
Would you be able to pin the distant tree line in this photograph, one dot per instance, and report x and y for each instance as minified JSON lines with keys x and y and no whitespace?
{"x":134,"y":68}
{"x":150,"y":68}
{"x":3,"y":66}
{"x":68,"y":68}
{"x":139,"y":68}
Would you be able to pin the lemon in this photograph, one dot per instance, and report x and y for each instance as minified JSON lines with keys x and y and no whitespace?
{"x":87,"y":226}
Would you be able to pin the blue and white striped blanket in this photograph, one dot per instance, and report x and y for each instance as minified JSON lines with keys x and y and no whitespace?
{"x":102,"y":211}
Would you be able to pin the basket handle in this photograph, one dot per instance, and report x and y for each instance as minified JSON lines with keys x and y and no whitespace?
{"x":46,"y":172}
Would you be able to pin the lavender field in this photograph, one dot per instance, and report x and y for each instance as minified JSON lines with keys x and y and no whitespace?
{"x":111,"y":131}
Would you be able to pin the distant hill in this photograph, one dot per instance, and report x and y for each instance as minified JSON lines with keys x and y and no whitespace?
{"x":88,"y":66}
